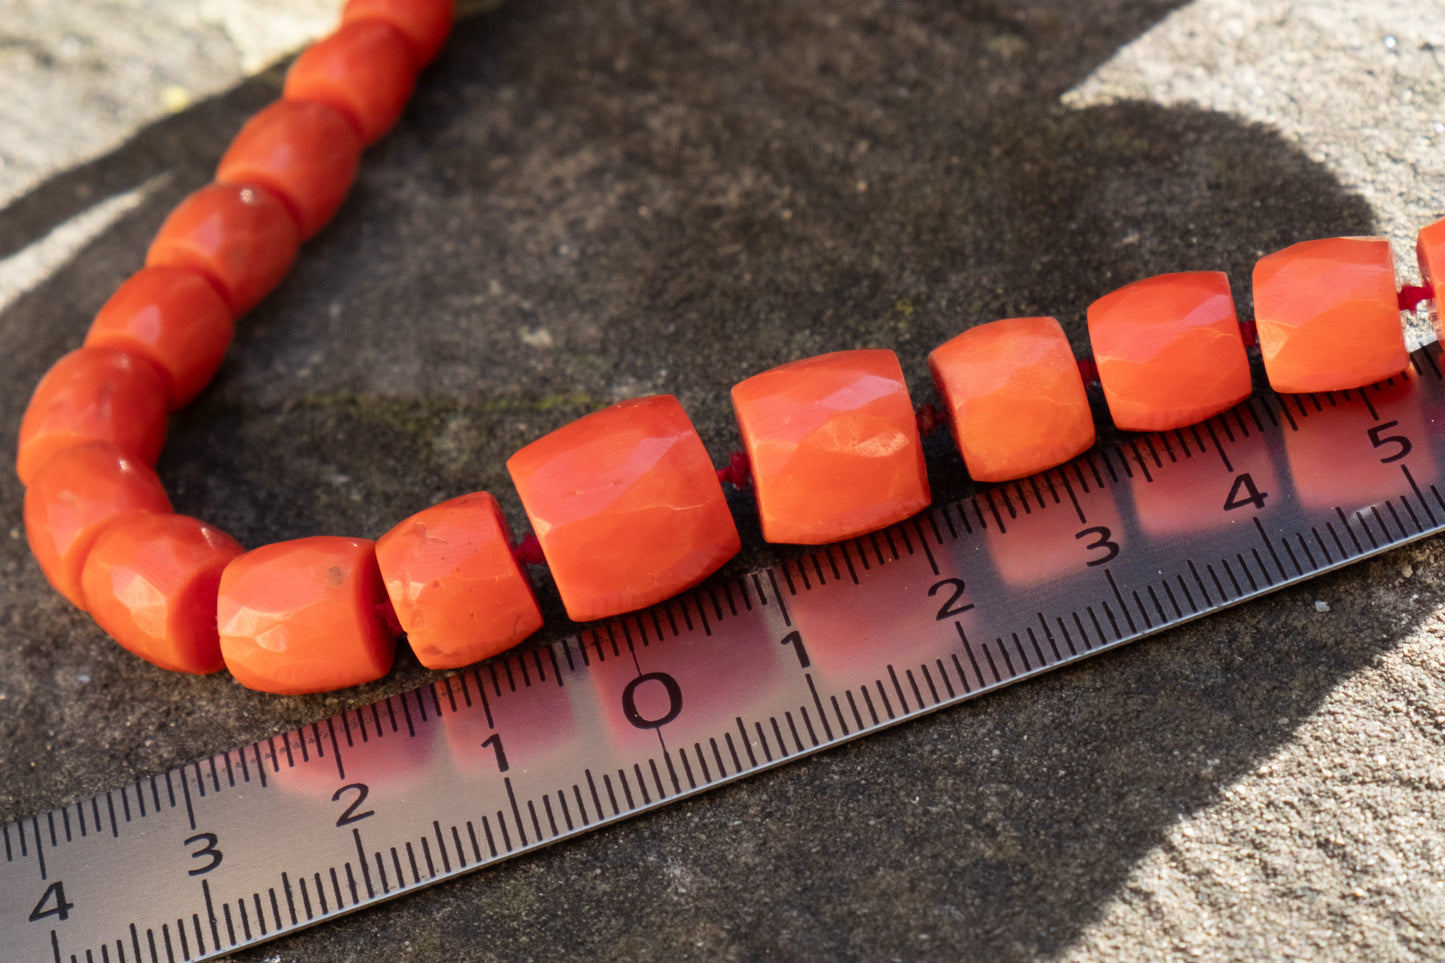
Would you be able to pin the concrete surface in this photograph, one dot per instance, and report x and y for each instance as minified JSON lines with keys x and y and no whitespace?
{"x":587,"y":202}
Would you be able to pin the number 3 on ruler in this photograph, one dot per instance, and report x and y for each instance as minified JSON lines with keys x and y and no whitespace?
{"x":1103,"y":540}
{"x":208,"y":851}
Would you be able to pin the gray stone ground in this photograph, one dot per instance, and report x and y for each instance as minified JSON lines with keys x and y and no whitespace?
{"x":587,"y":202}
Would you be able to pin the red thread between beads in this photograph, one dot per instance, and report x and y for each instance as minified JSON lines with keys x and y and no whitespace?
{"x":387,"y":614}
{"x":736,"y":471}
{"x":1088,"y":370}
{"x":1413,"y":295}
{"x":1249,"y":331}
{"x":529,"y":551}
{"x":930,"y":419}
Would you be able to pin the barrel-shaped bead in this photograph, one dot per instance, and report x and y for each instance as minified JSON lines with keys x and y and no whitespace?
{"x":308,"y":615}
{"x":95,"y":394}
{"x":626,"y":505}
{"x":425,"y":23}
{"x":73,"y":497}
{"x":151,"y":581}
{"x":240,"y":236}
{"x":303,"y":152}
{"x":1328,"y":315}
{"x":1430,"y":252}
{"x":1014,"y":397}
{"x":365,"y":70}
{"x":458,"y":592}
{"x":1169,"y":350}
{"x":174,"y":318}
{"x":833,"y":444}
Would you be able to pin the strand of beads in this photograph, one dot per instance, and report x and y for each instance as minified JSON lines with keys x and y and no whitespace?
{"x":624,"y":503}
{"x":96,"y":516}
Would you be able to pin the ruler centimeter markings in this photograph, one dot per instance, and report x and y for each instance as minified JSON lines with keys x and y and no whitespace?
{"x":734,"y":678}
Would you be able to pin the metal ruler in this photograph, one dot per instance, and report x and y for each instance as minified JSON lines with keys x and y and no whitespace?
{"x":732,"y":679}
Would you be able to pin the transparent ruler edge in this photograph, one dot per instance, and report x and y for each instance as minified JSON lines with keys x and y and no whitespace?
{"x":920,"y":541}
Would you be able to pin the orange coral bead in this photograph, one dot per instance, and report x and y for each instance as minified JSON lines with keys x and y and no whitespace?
{"x":174,"y":318}
{"x":305,"y":153}
{"x":151,"y":582}
{"x":1328,"y":315}
{"x":73,"y":497}
{"x":1015,"y":398}
{"x":834,"y":446}
{"x":425,"y":23}
{"x":94,"y":394}
{"x":626,"y":505}
{"x":305,"y":616}
{"x":365,"y":70}
{"x":241,"y":237}
{"x":457,"y":590}
{"x":1430,"y":251}
{"x":1169,"y":351}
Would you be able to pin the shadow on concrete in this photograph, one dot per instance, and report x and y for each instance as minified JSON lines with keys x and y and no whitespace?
{"x":590,"y":203}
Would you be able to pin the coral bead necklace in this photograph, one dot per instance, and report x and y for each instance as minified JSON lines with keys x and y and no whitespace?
{"x":626,"y":507}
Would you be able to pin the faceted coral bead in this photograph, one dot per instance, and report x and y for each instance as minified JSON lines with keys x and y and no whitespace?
{"x":174,"y":318}
{"x":425,"y":23}
{"x":457,"y":589}
{"x":305,"y":616}
{"x":151,"y":583}
{"x":1015,"y":398}
{"x":626,"y":505}
{"x":1430,"y":251}
{"x":73,"y":497}
{"x":241,"y":237}
{"x":365,"y":70}
{"x":305,"y":153}
{"x":1328,"y":315}
{"x":94,"y":394}
{"x":834,"y":446}
{"x":1169,"y":351}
